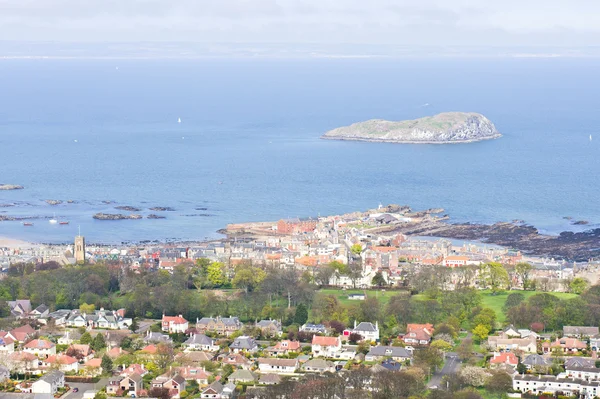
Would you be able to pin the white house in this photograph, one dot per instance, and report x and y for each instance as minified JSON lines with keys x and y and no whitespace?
{"x":279,"y":366}
{"x":174,"y":324}
{"x":49,"y":383}
{"x":368,"y":331}
{"x":326,"y":346}
{"x":200,"y":342}
{"x":40,"y":348}
{"x":551,"y":384}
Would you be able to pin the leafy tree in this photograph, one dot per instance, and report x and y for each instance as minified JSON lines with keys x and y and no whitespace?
{"x":430,"y":358}
{"x":248,"y":277}
{"x":165,"y":355}
{"x":86,"y":338}
{"x":98,"y":343}
{"x":356,"y":249}
{"x":354,"y":271}
{"x":355,"y":338}
{"x":513,"y":299}
{"x":301,"y":316}
{"x":523,"y":270}
{"x":159,"y":393}
{"x":74,"y":353}
{"x":521,"y":368}
{"x":216,"y":274}
{"x":481,"y":332}
{"x":499,"y":383}
{"x":378,"y":280}
{"x":579,"y":285}
{"x":106,"y":364}
{"x":465,"y":349}
{"x":441,"y":345}
{"x":324,"y":275}
{"x":473,"y":376}
{"x":495,"y":275}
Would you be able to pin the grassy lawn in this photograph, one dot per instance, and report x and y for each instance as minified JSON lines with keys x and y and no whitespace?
{"x":497,"y":301}
{"x":342,"y":296}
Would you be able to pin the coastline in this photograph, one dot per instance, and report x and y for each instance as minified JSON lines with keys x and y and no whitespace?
{"x":374,"y":140}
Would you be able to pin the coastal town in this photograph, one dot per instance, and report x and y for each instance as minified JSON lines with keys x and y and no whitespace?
{"x":330,"y":282}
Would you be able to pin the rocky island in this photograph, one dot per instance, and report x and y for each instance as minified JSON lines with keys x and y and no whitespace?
{"x":10,"y":187}
{"x":115,"y":216}
{"x":444,"y":128}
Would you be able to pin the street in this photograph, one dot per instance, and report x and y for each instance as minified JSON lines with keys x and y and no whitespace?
{"x":82,"y":388}
{"x":450,"y":367}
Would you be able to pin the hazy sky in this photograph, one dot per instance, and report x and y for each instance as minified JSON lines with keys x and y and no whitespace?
{"x":402,"y":22}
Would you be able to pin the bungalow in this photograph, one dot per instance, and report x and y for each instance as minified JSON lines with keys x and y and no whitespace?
{"x":397,"y":353}
{"x":220,"y":325}
{"x":198,"y":374}
{"x":174,"y":324}
{"x":568,"y":345}
{"x":69,"y":337}
{"x":63,"y":362}
{"x":550,"y":384}
{"x":156,"y":338}
{"x":49,"y":383}
{"x":535,"y":362}
{"x":200,"y":342}
{"x":270,"y":328}
{"x":504,"y":358}
{"x":418,"y":334}
{"x":319,"y":366}
{"x":244,"y":343}
{"x":580,"y":332}
{"x":175,"y":384}
{"x":284,"y":347}
{"x":85,"y":350}
{"x":93,"y":366}
{"x":242,"y":376}
{"x":368,"y":331}
{"x":104,"y":319}
{"x":193,"y":358}
{"x":237,"y":360}
{"x":313,"y":328}
{"x":326,"y":346}
{"x":528,"y":345}
{"x":22,"y":334}
{"x":280,"y":366}
{"x":39,"y":312}
{"x":213,"y":391}
{"x":40,"y":347}
{"x":269,"y":379}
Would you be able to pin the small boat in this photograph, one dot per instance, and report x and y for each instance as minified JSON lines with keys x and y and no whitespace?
{"x":179,"y":120}
{"x":27,"y":224}
{"x":590,"y":137}
{"x":53,"y":220}
{"x":64,"y":222}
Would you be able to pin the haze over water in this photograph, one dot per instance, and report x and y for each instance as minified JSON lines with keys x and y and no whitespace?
{"x":248,"y":146}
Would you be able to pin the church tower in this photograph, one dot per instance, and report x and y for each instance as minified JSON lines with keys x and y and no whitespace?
{"x":79,"y":249}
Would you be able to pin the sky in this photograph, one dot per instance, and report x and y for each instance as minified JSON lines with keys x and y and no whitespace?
{"x":371,"y":22}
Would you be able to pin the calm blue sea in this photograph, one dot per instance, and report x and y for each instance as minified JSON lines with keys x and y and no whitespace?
{"x":248,"y":147}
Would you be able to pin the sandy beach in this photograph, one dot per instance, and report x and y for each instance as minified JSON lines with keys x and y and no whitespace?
{"x":12,"y":243}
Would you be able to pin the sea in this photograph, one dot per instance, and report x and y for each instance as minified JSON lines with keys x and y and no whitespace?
{"x":106,"y":133}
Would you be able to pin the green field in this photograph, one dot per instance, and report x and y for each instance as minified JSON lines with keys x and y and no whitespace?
{"x":497,"y":301}
{"x":342,"y":295}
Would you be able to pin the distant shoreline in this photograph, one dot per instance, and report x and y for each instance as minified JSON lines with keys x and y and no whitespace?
{"x":374,"y":140}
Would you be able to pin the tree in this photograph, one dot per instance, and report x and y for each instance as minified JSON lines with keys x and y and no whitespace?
{"x":324,"y":275}
{"x":356,"y":249}
{"x":513,"y":299}
{"x":354,"y":271}
{"x":164,"y":355}
{"x":159,"y":393}
{"x":301,"y":316}
{"x":481,"y":332}
{"x":429,"y":358}
{"x":523,"y":270}
{"x":499,"y":383}
{"x":216,"y":274}
{"x":134,"y":325}
{"x":441,"y":345}
{"x":495,"y":275}
{"x":465,"y":349}
{"x":248,"y":277}
{"x":106,"y":364}
{"x":77,"y":354}
{"x":579,"y":285}
{"x":521,"y":368}
{"x":378,"y":280}
{"x":85,"y":338}
{"x":473,"y":376}
{"x":98,"y":343}
{"x":85,"y":308}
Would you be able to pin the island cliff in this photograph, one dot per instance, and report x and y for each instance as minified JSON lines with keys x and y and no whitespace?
{"x":444,"y":128}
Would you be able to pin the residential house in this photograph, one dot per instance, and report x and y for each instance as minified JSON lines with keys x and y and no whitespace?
{"x":237,"y":360}
{"x":24,"y":362}
{"x":157,"y":338}
{"x":7,"y":344}
{"x":113,"y":386}
{"x":551,"y":385}
{"x":103,"y":319}
{"x":269,"y":379}
{"x":193,"y":358}
{"x":229,"y":391}
{"x":174,"y":324}
{"x":284,"y":347}
{"x":40,"y":347}
{"x":40,"y":312}
{"x":368,"y":331}
{"x":456,"y":261}
{"x":192,"y":373}
{"x":504,"y":359}
{"x":313,"y":328}
{"x":69,"y":337}
{"x":528,"y":345}
{"x":175,"y":384}
{"x":391,"y":365}
{"x":279,"y":366}
{"x":220,"y":325}
{"x":580,"y":331}
{"x":326,"y":346}
{"x":19,"y":308}
{"x":200,"y":342}
{"x":377,"y":353}
{"x":270,"y":328}
{"x":49,"y":383}
{"x":595,"y":342}
{"x":22,"y":334}
{"x":213,"y":391}
{"x":242,"y":376}
{"x":536,"y":362}
{"x":318,"y":366}
{"x":418,"y":334}
{"x":59,"y":316}
{"x":134,"y":369}
{"x":93,"y":366}
{"x":511,"y":332}
{"x":63,"y":362}
{"x":568,"y":345}
{"x":244,"y":344}
{"x":85,"y":350}
{"x":585,"y":373}
{"x":131,"y":384}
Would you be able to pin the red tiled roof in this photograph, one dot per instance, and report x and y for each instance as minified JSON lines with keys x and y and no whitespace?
{"x":96,"y":362}
{"x":174,"y":319}
{"x":39,"y":344}
{"x":504,"y":358}
{"x":61,"y":359}
{"x":150,"y":349}
{"x":325,"y":341}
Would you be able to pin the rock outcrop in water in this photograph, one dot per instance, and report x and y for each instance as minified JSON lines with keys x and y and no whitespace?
{"x":444,"y":128}
{"x":127,"y":208}
{"x":53,"y":202}
{"x":115,"y":216}
{"x":162,"y":209}
{"x":11,"y":187}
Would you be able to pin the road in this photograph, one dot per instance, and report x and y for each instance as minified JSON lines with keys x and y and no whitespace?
{"x":450,"y":367}
{"x":82,"y":388}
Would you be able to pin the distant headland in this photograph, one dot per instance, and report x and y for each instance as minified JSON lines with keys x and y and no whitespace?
{"x":10,"y":187}
{"x":444,"y":128}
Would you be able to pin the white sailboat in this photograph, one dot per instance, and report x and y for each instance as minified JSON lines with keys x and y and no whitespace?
{"x":590,"y":137}
{"x":53,"y":220}
{"x":179,"y":120}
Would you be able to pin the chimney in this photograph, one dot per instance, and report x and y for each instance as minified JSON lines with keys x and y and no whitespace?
{"x":354,"y":323}
{"x":377,"y":325}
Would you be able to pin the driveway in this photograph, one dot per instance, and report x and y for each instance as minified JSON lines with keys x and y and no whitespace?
{"x":450,"y":367}
{"x":82,"y":388}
